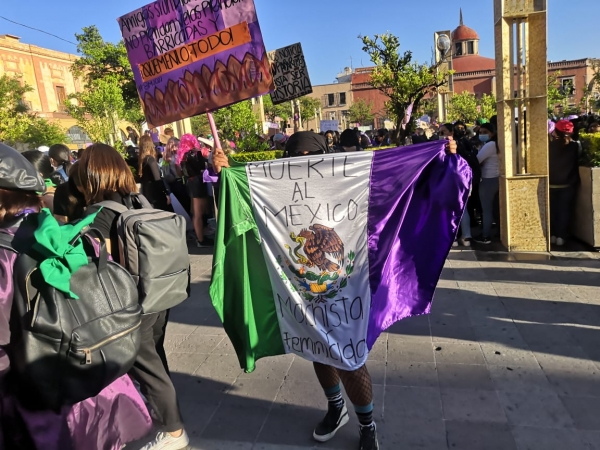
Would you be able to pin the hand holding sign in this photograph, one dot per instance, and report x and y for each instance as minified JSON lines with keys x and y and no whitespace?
{"x":220,"y":160}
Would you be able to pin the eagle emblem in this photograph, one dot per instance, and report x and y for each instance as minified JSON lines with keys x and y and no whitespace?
{"x":318,"y":263}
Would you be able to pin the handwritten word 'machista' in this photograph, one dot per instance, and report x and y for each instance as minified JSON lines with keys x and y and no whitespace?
{"x":196,"y":51}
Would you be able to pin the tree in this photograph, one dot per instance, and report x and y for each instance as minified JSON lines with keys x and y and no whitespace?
{"x":559,"y":96}
{"x":97,"y":109}
{"x":361,"y":112}
{"x":427,"y":106}
{"x":403,"y":81}
{"x":308,"y":108}
{"x":236,"y":120}
{"x":463,"y":107}
{"x":99,"y":60}
{"x":488,"y":106}
{"x":17,"y":123}
{"x":272,"y":112}
{"x":200,"y":125}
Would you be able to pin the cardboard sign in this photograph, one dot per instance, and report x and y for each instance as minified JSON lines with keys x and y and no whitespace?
{"x":333,"y":125}
{"x":290,"y":74}
{"x":195,"y":56}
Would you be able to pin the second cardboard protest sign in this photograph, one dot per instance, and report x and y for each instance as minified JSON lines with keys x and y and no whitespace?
{"x":290,"y":74}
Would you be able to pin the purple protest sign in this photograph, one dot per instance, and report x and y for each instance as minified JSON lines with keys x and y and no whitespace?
{"x":194,"y":56}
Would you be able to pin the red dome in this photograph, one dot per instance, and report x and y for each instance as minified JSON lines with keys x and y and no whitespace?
{"x":464,"y":33}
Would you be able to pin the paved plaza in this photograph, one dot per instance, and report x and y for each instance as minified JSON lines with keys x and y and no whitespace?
{"x":509,"y":359}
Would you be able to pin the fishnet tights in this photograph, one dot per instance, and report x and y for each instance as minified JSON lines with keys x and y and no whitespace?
{"x":357,"y":383}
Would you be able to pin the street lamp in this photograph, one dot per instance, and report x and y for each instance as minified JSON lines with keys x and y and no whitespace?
{"x":443,"y":44}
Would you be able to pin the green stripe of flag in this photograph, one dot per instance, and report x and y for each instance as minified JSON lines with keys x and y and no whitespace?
{"x":240,"y":272}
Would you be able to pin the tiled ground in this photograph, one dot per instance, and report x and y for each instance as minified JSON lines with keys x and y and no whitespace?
{"x":508,"y":360}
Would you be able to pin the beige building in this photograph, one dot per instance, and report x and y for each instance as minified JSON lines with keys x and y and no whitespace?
{"x":336,"y":99}
{"x":48,"y":72}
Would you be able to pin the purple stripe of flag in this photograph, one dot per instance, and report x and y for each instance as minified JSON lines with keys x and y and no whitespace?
{"x":417,"y":198}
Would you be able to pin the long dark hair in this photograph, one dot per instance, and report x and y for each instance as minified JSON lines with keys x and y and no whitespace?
{"x":492,"y":129}
{"x":42,"y":164}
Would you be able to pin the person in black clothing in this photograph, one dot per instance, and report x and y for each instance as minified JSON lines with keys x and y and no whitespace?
{"x":102,"y":174}
{"x":153,"y":186}
{"x":349,"y":142}
{"x":193,"y":166}
{"x":564,"y":179}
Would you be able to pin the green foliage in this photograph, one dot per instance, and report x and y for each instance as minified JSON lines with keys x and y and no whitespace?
{"x":361,"y":112}
{"x":427,"y":106}
{"x":17,"y":124}
{"x":283,"y":110}
{"x":236,"y":120}
{"x":463,"y":107}
{"x":468,"y":108}
{"x":97,"y":109}
{"x":100,"y":60}
{"x":401,"y":79}
{"x":591,"y":146}
{"x":252,"y":143}
{"x":308,"y":107}
{"x":200,"y":125}
{"x":257,"y":156}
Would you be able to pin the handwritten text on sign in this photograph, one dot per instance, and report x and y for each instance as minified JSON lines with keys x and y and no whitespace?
{"x":194,"y":56}
{"x":304,"y":207}
{"x":289,"y":74}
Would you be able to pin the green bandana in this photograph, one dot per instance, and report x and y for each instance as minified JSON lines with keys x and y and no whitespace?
{"x":49,"y":183}
{"x":60,"y":259}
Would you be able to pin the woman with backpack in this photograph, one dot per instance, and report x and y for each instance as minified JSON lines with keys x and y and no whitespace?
{"x":117,"y":415}
{"x":103,"y":175}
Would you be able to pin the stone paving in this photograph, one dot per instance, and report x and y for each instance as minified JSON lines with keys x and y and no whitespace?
{"x":508,"y":360}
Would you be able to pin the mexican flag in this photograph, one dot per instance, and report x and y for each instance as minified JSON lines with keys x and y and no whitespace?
{"x":318,"y":255}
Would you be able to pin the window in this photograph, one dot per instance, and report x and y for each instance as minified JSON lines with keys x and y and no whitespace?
{"x":61,"y":98}
{"x":342,"y":98}
{"x":458,"y":49}
{"x":330,"y":99}
{"x":568,"y":85}
{"x":471,"y":48}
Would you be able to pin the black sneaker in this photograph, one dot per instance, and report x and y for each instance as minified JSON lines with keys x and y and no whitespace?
{"x":333,"y":421}
{"x":368,"y":438}
{"x":483,"y":240}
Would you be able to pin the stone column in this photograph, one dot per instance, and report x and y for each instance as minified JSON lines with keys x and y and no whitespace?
{"x":522,"y":93}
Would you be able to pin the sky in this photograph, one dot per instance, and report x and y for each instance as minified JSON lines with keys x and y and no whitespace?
{"x":327,"y":29}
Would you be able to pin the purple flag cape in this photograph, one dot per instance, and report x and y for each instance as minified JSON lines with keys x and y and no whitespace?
{"x":318,"y":255}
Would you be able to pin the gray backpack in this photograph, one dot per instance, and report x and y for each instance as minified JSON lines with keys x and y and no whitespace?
{"x":153,"y":249}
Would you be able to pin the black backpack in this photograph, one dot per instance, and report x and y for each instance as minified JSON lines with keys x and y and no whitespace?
{"x":63,"y":351}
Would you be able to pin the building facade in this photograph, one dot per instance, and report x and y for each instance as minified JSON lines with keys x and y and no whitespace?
{"x":48,"y":72}
{"x":336,"y":99}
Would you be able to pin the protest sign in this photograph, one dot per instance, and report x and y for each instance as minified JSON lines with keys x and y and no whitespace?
{"x":290,"y":74}
{"x":194,"y":56}
{"x":333,"y":125}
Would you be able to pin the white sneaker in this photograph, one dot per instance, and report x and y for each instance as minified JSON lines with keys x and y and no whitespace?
{"x":455,"y":244}
{"x":164,"y":441}
{"x":553,"y":240}
{"x":560,"y":242}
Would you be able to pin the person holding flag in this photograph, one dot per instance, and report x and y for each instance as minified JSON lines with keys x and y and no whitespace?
{"x":356,"y":380}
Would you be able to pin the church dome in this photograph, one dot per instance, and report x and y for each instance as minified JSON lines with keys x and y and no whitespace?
{"x":464,"y":33}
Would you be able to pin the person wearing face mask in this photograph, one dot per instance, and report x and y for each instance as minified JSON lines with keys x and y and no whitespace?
{"x":330,"y":138}
{"x":564,"y":179}
{"x":490,"y":173}
{"x":60,"y":157}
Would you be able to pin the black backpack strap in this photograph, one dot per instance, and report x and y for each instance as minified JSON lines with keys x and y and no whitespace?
{"x":6,"y":242}
{"x":113,"y":206}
